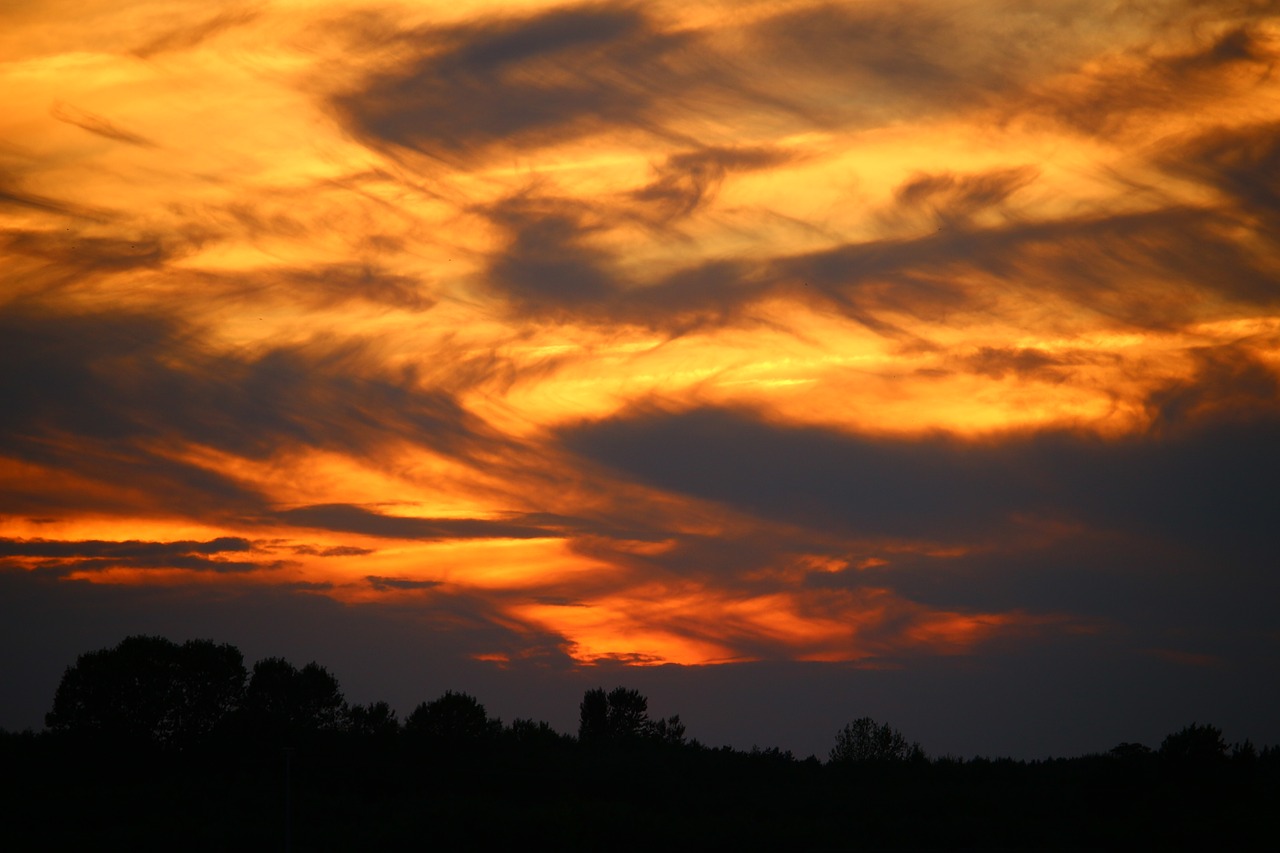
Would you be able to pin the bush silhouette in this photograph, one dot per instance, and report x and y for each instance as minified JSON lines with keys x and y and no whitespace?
{"x":864,"y":740}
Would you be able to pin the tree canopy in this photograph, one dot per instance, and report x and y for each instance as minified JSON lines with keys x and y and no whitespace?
{"x":1194,"y":744}
{"x":865,"y":740}
{"x":283,"y":701}
{"x":622,"y":716}
{"x":150,"y":690}
{"x":453,"y":717}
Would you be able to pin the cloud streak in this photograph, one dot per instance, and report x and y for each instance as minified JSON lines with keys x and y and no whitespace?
{"x":62,"y":558}
{"x":512,"y":83}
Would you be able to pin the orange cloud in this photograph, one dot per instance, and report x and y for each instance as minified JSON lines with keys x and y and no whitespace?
{"x":642,"y":334}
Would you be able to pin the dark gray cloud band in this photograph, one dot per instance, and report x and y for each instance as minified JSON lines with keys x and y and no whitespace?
{"x":1203,"y":475}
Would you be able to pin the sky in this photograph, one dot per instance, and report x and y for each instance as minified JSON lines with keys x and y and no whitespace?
{"x":790,"y":362}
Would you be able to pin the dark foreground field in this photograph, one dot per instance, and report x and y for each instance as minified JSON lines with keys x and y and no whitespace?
{"x":345,"y":792}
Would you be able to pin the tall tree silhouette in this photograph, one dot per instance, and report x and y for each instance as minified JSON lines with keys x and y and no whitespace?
{"x":593,"y":716}
{"x":628,"y":714}
{"x":150,"y":690}
{"x":622,"y":716}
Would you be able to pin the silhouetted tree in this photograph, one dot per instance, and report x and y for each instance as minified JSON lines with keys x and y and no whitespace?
{"x":622,"y":716}
{"x":454,"y":717}
{"x":864,"y":740}
{"x":628,"y":714}
{"x":1194,"y":745}
{"x":1131,"y":751}
{"x":593,"y":716}
{"x":150,"y":689}
{"x":283,"y":701}
{"x":376,"y":720}
{"x":1244,"y":753}
{"x":668,"y":730}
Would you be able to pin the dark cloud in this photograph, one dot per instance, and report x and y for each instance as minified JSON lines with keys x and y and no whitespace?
{"x":1205,"y":485}
{"x":124,"y":375}
{"x":522,"y":82}
{"x":689,"y":180}
{"x":73,"y":250}
{"x":348,"y":518}
{"x":1112,"y":96}
{"x":113,"y":396}
{"x":13,"y":194}
{"x":1230,"y":386}
{"x":1152,"y":269}
{"x":64,"y":557}
{"x":334,"y":551}
{"x":99,"y":254}
{"x":185,"y":562}
{"x":548,"y":263}
{"x":66,"y":475}
{"x":511,"y":83}
{"x":708,"y":294}
{"x":552,"y":268}
{"x":128,"y":549}
{"x":1161,"y":541}
{"x":382,"y":584}
{"x":1025,"y":362}
{"x":1241,"y":162}
{"x":75,"y":408}
{"x":1139,"y":590}
{"x":752,"y":557}
{"x":97,"y":125}
{"x":953,"y":199}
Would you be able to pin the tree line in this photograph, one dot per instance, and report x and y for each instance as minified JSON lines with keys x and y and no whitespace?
{"x":167,"y":745}
{"x":151,"y":691}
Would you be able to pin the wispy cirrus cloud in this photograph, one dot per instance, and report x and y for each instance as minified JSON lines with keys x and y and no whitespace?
{"x":519,"y":83}
{"x":1147,"y":81}
{"x":98,"y":125}
{"x":188,"y":36}
{"x":688,"y":180}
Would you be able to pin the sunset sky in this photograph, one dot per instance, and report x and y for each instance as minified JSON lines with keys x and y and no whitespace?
{"x":788,"y":361}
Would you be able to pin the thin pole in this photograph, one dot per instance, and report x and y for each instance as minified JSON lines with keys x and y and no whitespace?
{"x":288,"y":818}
